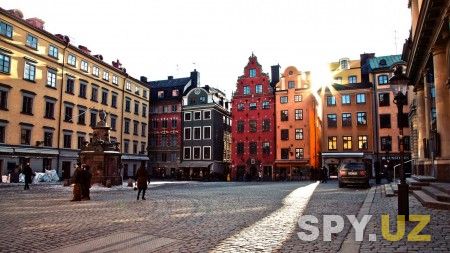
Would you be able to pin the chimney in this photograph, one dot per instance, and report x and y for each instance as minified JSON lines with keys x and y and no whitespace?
{"x":99,"y":56}
{"x":63,"y":38}
{"x":365,"y":68}
{"x":275,"y":75}
{"x":170,"y":78}
{"x":144,"y":79}
{"x":36,"y":22}
{"x":195,"y":78}
{"x":84,"y":49}
{"x":117,"y":64}
{"x":16,"y":13}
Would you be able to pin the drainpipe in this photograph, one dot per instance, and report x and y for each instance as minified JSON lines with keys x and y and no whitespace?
{"x":375,"y":121}
{"x":121,"y":120}
{"x":66,"y":40}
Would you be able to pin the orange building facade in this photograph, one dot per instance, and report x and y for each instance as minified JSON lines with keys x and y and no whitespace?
{"x":297,"y":126}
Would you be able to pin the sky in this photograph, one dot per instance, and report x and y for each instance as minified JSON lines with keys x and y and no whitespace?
{"x":160,"y":38}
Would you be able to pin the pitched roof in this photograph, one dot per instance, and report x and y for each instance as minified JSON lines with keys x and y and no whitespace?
{"x":389,"y":60}
{"x":170,"y":83}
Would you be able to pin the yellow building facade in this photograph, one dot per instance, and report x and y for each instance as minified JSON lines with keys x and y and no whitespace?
{"x":51,"y":94}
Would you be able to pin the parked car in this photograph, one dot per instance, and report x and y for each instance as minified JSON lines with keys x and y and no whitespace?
{"x":353,"y":173}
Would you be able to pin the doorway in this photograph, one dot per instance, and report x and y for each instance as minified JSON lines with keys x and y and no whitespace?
{"x":66,"y":170}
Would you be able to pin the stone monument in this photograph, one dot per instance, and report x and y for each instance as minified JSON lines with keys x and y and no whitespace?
{"x":102,"y":155}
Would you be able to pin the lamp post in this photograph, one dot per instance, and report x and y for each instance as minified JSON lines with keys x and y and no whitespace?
{"x":398,"y":85}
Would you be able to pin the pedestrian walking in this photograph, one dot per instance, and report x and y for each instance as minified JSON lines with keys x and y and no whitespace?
{"x":142,"y":180}
{"x":77,"y":180}
{"x":28,"y":173}
{"x":86,"y":182}
{"x":324,"y":174}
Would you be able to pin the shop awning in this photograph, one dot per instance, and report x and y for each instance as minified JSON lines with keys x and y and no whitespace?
{"x":28,"y":151}
{"x":135,"y":157}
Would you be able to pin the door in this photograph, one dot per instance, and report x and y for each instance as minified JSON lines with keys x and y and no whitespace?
{"x":66,"y":170}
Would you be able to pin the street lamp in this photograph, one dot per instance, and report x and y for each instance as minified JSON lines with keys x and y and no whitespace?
{"x":398,"y":84}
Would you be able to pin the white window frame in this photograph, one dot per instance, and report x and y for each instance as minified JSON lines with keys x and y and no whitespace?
{"x":258,"y":91}
{"x":193,"y":133}
{"x":51,"y":78}
{"x":200,"y":115}
{"x":184,"y":153}
{"x":95,"y":71}
{"x":84,"y":65}
{"x":297,"y":98}
{"x":71,"y":58}
{"x":105,"y":75}
{"x":128,"y":87}
{"x":184,"y":133}
{"x":115,"y":79}
{"x":31,"y":66}
{"x":204,"y":117}
{"x":52,"y":50}
{"x":210,"y":154}
{"x":200,"y":153}
{"x":204,"y":131}
{"x":190,"y":113}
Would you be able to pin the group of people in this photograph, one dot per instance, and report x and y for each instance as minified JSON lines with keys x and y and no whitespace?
{"x":82,"y":182}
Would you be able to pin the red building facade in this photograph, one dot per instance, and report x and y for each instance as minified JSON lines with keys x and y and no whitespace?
{"x":253,"y":135}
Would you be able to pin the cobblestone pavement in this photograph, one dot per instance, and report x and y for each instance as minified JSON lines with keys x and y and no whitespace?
{"x":438,"y":228}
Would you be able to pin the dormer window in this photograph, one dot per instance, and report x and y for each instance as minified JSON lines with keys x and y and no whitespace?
{"x":160,"y":94}
{"x":175,"y":93}
{"x":382,"y":62}
{"x":344,"y":63}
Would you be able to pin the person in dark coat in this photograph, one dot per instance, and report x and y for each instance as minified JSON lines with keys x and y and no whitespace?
{"x":324,"y":174}
{"x":142,"y":179}
{"x":28,"y":172}
{"x":86,"y":177}
{"x":77,"y":179}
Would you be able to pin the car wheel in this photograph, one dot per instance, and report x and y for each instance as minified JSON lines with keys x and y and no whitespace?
{"x":341,"y":185}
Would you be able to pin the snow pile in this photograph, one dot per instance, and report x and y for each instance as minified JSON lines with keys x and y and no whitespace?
{"x":40,"y":177}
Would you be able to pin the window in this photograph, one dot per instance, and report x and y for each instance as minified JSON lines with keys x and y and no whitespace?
{"x":346,"y":119}
{"x":137,"y":91}
{"x":25,"y":136}
{"x":382,"y":79}
{"x":6,"y":29}
{"x":299,"y":134}
{"x":253,"y":148}
{"x":331,"y":100}
{"x":3,"y":99}
{"x":362,"y":118}
{"x":298,"y":98}
{"x":175,"y":93}
{"x":197,"y":115}
{"x":265,"y":105}
{"x":48,"y":139}
{"x":386,"y":143}
{"x":266,"y":125}
{"x":5,"y":63}
{"x":266,"y":147}
{"x":291,"y":84}
{"x":83,"y":89}
{"x":298,"y":114}
{"x":197,"y":133}
{"x":344,"y":64}
{"x":80,"y":141}
{"x":174,"y":123}
{"x":143,"y":129}
{"x":70,"y":85}
{"x":207,"y":132}
{"x":163,"y":140}
{"x":284,"y":153}
{"x":144,"y":93}
{"x":84,"y":66}
{"x":32,"y":41}
{"x":299,"y":154}
{"x":164,"y":123}
{"x":104,"y":97}
{"x":49,"y":109}
{"x":187,"y":153}
{"x":406,"y":143}
{"x":363,"y":142}
{"x":187,"y":133}
{"x":136,"y":108}
{"x":187,"y":116}
{"x":144,"y":110}
{"x":360,"y":98}
{"x":240,"y":148}
{"x":68,"y":113}
{"x":240,"y":107}
{"x":284,"y":115}
{"x":332,"y":143}
{"x":30,"y":72}
{"x":258,"y":89}
{"x":252,"y":126}
{"x":115,"y":80}
{"x":71,"y":60}
{"x":383,"y":99}
{"x":283,"y":99}
{"x":352,"y":79}
{"x":347,"y":142}
{"x":332,"y":120}
{"x":127,"y":104}
{"x":135,"y":127}
{"x":128,"y":88}
{"x":53,"y":51}
{"x":95,"y":71}
{"x":93,"y":121}
{"x":94,"y":93}
{"x":197,"y":155}
{"x":67,"y":140}
{"x":174,"y":108}
{"x":51,"y":78}
{"x":127,"y":126}
{"x":113,"y":123}
{"x":135,"y":147}
{"x":27,"y":105}
{"x":252,"y":106}
{"x":207,"y":115}
{"x":114,"y":100}
{"x":106,"y":75}
{"x":2,"y":134}
{"x":126,"y":145}
{"x":252,"y":72}
{"x":246,"y":90}
{"x":385,"y":121}
{"x":81,"y":116}
{"x":345,"y":99}
{"x":284,"y":134}
{"x":206,"y":153}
